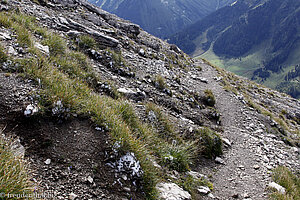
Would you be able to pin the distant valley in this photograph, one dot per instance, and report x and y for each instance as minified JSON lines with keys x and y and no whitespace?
{"x":162,"y":18}
{"x":259,"y":39}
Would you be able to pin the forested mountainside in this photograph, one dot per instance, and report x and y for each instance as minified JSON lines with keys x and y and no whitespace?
{"x":256,"y":39}
{"x":93,"y":107}
{"x":162,"y":17}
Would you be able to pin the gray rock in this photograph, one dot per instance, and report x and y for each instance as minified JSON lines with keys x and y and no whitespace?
{"x":4,"y":36}
{"x":171,"y":191}
{"x":219,"y":161}
{"x":196,"y":174}
{"x":90,"y":179}
{"x":103,"y":39}
{"x":226,"y":142}
{"x":17,"y":148}
{"x":72,"y":196}
{"x":12,"y":51}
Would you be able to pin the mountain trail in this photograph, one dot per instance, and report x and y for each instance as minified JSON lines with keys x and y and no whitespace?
{"x":253,"y":153}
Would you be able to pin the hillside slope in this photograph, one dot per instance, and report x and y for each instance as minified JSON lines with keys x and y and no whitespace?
{"x":256,"y":39}
{"x":161,"y":18}
{"x":100,"y":109}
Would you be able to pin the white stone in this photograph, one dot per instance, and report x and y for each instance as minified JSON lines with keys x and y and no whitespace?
{"x":226,"y":141}
{"x":4,"y":36}
{"x":30,"y":110}
{"x":12,"y":51}
{"x":125,"y":91}
{"x":219,"y":160}
{"x":171,"y":191}
{"x":195,"y":174}
{"x":90,"y":179}
{"x":42,"y":48}
{"x":279,"y":188}
{"x":203,"y":190}
{"x":48,"y":161}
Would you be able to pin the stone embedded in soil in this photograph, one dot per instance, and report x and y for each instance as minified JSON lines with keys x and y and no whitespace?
{"x":204,"y":190}
{"x":219,"y":161}
{"x":278,"y":187}
{"x":48,"y":161}
{"x":256,"y":167}
{"x":171,"y":191}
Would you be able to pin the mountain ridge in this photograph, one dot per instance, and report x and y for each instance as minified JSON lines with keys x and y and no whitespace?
{"x":161,"y":18}
{"x":264,"y":31}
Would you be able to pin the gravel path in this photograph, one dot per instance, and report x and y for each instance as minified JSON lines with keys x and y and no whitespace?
{"x":245,"y":173}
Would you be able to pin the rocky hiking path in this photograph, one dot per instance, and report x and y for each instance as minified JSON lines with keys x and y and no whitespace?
{"x":244,"y":171}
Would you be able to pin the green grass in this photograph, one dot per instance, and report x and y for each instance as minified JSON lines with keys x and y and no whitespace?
{"x":3,"y":56}
{"x":191,"y":184}
{"x":160,"y":82}
{"x":291,"y":182}
{"x":209,"y":142}
{"x":57,"y":45}
{"x":14,"y":174}
{"x":67,"y":76}
{"x":163,"y":124}
{"x":209,"y":98}
{"x":86,"y":42}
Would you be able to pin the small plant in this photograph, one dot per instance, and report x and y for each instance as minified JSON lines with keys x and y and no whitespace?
{"x":291,"y":182}
{"x":191,"y":184}
{"x":178,"y":156}
{"x":3,"y":56}
{"x":14,"y":175}
{"x":56,"y":44}
{"x":210,"y":143}
{"x":161,"y":122}
{"x":209,"y":98}
{"x":160,"y":82}
{"x":86,"y":42}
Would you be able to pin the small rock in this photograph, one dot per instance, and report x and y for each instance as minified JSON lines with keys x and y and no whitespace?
{"x":203,"y":190}
{"x":195,"y":174}
{"x":295,"y":149}
{"x":210,"y":195}
{"x":72,"y":196}
{"x":127,"y":189}
{"x":246,"y":196}
{"x":90,"y":179}
{"x":204,"y":80}
{"x":4,"y":36}
{"x":12,"y":51}
{"x":30,"y":110}
{"x":48,"y":161}
{"x":235,"y":196}
{"x":279,"y":188}
{"x":43,"y":49}
{"x":142,"y":52}
{"x":256,"y":167}
{"x":219,"y":160}
{"x":171,"y":191}
{"x":226,"y":141}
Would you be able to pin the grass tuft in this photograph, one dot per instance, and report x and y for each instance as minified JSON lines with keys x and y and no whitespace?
{"x":291,"y":182}
{"x":210,"y":143}
{"x":14,"y":176}
{"x":209,"y":98}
